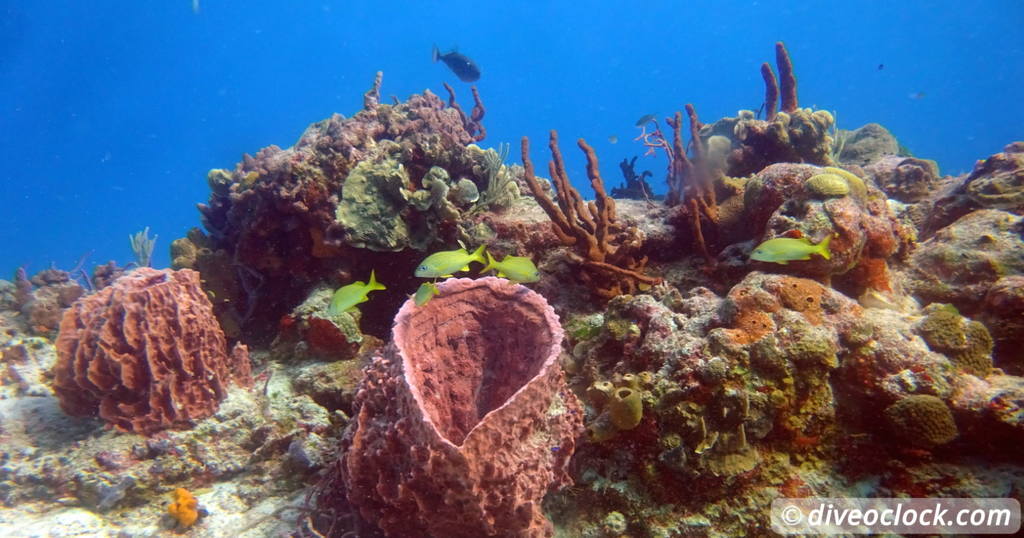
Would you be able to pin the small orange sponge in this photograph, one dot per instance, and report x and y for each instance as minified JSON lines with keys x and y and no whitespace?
{"x":184,"y":507}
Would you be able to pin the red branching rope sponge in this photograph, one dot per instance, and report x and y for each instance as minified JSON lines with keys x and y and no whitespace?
{"x":591,"y":227}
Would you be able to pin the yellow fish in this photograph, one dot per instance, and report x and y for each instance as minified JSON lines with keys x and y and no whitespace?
{"x":786,"y":249}
{"x":514,"y":268}
{"x":347,"y":297}
{"x":426,"y":291}
{"x":448,"y":262}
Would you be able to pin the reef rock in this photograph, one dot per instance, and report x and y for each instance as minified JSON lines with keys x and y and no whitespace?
{"x":1003,"y":314}
{"x":146,"y":353}
{"x":906,"y":179}
{"x":961,"y":262}
{"x":465,"y":422}
{"x":998,"y":182}
{"x":868,"y":144}
{"x":995,"y":183}
{"x":789,"y":200}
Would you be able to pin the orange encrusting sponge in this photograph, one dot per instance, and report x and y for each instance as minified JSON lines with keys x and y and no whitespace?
{"x":184,"y":507}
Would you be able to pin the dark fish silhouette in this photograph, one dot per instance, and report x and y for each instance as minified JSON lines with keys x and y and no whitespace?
{"x":461,"y":65}
{"x":645,"y":119}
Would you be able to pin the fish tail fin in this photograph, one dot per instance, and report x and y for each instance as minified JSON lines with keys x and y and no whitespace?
{"x":490,"y":263}
{"x":373,"y":284}
{"x":823,"y":247}
{"x":477,"y":255}
{"x":436,"y":54}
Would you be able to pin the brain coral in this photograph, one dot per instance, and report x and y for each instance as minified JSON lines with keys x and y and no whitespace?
{"x":145,"y":353}
{"x":967,"y":343}
{"x":465,"y":422}
{"x":922,"y":419}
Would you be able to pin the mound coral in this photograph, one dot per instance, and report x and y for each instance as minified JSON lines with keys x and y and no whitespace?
{"x":922,"y":420}
{"x":967,"y":343}
{"x":465,"y":422}
{"x":146,"y":353}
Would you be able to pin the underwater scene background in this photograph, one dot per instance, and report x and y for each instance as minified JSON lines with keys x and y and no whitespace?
{"x":530,"y":269}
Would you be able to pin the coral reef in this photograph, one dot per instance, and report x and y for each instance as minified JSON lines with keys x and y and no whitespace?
{"x":792,"y":200}
{"x":1003,"y":315}
{"x":465,"y":422}
{"x":906,"y":179}
{"x":42,"y":298}
{"x":967,"y":343}
{"x":246,"y":464}
{"x":146,"y":353}
{"x":388,"y":178}
{"x":680,"y":404}
{"x":310,"y":330}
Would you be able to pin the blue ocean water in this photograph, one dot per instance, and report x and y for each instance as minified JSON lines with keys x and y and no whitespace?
{"x":113,"y":112}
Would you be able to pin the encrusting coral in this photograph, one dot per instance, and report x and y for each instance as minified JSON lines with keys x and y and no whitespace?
{"x":146,"y":353}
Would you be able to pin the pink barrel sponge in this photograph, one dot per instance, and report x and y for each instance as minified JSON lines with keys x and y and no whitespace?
{"x":465,"y":422}
{"x":146,"y":353}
